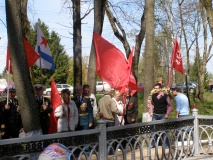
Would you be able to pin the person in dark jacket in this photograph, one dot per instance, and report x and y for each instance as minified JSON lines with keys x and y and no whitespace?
{"x":131,"y":113}
{"x":11,"y":123}
{"x":85,"y":110}
{"x":44,"y":108}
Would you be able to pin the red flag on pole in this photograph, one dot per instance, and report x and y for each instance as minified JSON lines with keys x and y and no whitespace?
{"x":31,"y":56}
{"x":176,"y":61}
{"x":176,"y":58}
{"x":128,"y":80}
{"x":55,"y":102}
{"x":111,"y":64}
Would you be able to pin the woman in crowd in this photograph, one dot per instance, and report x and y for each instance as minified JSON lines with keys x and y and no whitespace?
{"x":67,"y":113}
{"x":119,"y":120}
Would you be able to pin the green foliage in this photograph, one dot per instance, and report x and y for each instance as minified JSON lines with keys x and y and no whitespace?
{"x":194,"y":72}
{"x":70,"y":78}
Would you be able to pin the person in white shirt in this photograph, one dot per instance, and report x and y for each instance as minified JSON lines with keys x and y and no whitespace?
{"x":67,"y":113}
{"x":119,"y":120}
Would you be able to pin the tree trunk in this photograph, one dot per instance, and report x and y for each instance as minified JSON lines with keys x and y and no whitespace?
{"x":77,"y":51}
{"x":149,"y":51}
{"x":209,"y":11}
{"x":21,"y":74}
{"x":206,"y":54}
{"x":24,"y":19}
{"x":99,"y":12}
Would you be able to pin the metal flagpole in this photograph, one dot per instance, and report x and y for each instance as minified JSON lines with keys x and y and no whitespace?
{"x":8,"y":81}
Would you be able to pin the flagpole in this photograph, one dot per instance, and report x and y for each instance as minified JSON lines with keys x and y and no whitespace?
{"x":8,"y":81}
{"x":170,"y":76}
{"x":124,"y":108}
{"x":40,"y":66}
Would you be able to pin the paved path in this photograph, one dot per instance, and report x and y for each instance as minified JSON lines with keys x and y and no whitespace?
{"x":137,"y":156}
{"x":200,"y":157}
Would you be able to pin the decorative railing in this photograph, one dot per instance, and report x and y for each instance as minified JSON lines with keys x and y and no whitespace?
{"x":165,"y":139}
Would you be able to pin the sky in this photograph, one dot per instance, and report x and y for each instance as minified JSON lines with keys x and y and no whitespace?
{"x":57,"y":18}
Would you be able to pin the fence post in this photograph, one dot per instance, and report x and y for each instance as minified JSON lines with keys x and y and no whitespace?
{"x":102,"y":154}
{"x":196,"y":130}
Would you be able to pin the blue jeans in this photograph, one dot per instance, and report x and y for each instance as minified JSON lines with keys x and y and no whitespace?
{"x":182,"y":115}
{"x":160,"y":117}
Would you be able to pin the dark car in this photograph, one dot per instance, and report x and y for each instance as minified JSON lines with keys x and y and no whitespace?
{"x":191,"y":86}
{"x":211,"y":88}
{"x":140,"y":87}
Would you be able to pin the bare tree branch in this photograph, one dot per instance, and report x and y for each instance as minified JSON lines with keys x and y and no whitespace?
{"x":114,"y":24}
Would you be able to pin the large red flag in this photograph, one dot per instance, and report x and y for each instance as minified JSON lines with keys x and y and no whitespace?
{"x":55,"y":102}
{"x":176,"y":58}
{"x":31,"y":55}
{"x":111,"y":64}
{"x":128,"y":80}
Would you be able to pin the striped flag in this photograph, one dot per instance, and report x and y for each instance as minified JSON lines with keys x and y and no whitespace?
{"x":43,"y":49}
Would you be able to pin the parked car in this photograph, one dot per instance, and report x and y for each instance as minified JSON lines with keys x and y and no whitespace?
{"x":140,"y":87}
{"x":3,"y":85}
{"x":211,"y":88}
{"x":101,"y":86}
{"x":60,"y":87}
{"x":191,"y":86}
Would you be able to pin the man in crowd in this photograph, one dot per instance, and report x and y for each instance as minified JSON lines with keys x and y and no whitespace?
{"x":10,"y":115}
{"x":87,"y":93}
{"x":160,"y":107}
{"x":164,"y":90}
{"x":85,"y":109}
{"x":131,"y":114}
{"x":182,"y":103}
{"x":108,"y":107}
{"x":44,"y":108}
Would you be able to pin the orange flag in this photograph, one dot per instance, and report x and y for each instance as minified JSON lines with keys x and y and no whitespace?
{"x":55,"y":102}
{"x":31,"y":56}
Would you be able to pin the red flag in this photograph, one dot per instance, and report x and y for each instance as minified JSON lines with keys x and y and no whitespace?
{"x":31,"y":55}
{"x":128,"y":80}
{"x":55,"y":102}
{"x":111,"y":64}
{"x":176,"y":58}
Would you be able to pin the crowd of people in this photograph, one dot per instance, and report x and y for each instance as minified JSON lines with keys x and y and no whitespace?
{"x":79,"y":112}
